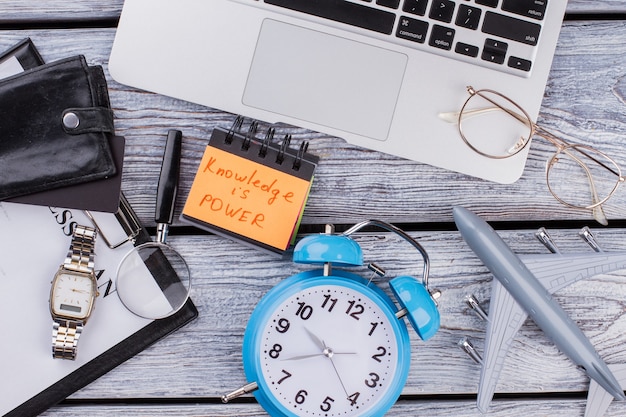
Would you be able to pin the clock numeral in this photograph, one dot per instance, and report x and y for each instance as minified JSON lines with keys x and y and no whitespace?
{"x":325,"y":406}
{"x":275,"y":352}
{"x":382,"y":352}
{"x":287,"y":375}
{"x":354,"y":397}
{"x":282,"y":326}
{"x":304,"y":311}
{"x":301,"y":396}
{"x":332,"y":301}
{"x":374,"y":325}
{"x":373,"y":382}
{"x":358,"y":310}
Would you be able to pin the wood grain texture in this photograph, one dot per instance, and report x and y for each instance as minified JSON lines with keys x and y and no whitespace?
{"x":186,"y":373}
{"x":203,"y":360}
{"x":427,"y":407}
{"x":55,"y":10}
{"x":584,"y":101}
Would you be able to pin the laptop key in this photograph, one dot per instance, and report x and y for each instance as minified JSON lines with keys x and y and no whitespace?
{"x":489,"y":3}
{"x":342,"y":11}
{"x":494,"y":51}
{"x":441,"y":37}
{"x":468,"y":17}
{"x":511,"y":28}
{"x":417,"y":7}
{"x":528,"y":8}
{"x":519,"y":63}
{"x":466,"y":49}
{"x":442,"y":10}
{"x":394,"y":4}
{"x":412,"y":29}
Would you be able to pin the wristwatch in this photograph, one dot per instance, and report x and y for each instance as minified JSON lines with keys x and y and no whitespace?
{"x":73,"y":294}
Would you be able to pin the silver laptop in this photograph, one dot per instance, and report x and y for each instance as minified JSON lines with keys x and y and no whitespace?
{"x":375,"y":72}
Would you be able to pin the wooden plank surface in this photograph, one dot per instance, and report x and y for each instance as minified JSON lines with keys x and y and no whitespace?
{"x":84,"y":10}
{"x":229,"y":280}
{"x":187,"y":372}
{"x":584,"y":101}
{"x":430,"y":408}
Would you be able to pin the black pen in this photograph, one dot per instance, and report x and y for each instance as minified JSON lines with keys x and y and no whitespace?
{"x":168,"y":184}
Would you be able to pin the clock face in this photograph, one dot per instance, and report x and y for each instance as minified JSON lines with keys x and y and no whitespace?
{"x":331,"y":349}
{"x":72,"y":295}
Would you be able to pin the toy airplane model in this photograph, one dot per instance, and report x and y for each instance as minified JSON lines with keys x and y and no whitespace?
{"x":522,"y":288}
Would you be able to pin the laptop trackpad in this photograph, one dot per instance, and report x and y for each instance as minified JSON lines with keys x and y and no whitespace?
{"x":325,"y":79}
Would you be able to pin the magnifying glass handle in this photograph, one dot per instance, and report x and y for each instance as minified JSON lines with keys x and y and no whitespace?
{"x":168,"y":184}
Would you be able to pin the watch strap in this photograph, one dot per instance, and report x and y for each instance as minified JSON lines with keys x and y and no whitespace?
{"x":65,"y":335}
{"x":80,"y":257}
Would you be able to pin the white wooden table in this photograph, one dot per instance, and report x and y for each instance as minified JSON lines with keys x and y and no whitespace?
{"x":187,"y":372}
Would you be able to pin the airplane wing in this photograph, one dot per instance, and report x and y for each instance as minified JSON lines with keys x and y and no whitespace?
{"x":506,"y":316}
{"x":556,"y":271}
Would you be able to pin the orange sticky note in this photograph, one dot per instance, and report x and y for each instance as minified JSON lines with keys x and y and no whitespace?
{"x":249,"y":199}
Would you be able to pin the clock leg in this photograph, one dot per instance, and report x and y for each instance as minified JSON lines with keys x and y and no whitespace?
{"x":239,"y":392}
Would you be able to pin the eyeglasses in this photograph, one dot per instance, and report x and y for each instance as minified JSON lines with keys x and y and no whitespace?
{"x":578,"y":176}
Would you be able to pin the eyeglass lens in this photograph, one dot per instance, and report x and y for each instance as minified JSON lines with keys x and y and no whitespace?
{"x":487,"y":112}
{"x":591,"y":173}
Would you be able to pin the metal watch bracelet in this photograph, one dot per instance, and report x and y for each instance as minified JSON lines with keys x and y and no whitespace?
{"x":80,"y":258}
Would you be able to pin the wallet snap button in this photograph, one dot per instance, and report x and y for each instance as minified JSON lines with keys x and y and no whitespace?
{"x":71,"y":120}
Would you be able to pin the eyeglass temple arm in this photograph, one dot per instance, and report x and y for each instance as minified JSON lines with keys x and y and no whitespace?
{"x":598,"y":212}
{"x":453,"y":116}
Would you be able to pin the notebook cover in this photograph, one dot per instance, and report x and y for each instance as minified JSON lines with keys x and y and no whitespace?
{"x":111,"y":358}
{"x":251,"y":190}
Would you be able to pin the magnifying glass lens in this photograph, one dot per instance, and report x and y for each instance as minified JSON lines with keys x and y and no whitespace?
{"x":153,"y":281}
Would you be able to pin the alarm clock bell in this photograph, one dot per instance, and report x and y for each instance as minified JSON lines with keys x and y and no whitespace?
{"x":418,"y":303}
{"x":330,"y":341}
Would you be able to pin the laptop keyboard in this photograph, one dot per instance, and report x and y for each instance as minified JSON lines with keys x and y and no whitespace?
{"x":500,"y":34}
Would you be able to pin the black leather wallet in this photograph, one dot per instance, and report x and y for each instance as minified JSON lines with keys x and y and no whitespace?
{"x":55,"y":123}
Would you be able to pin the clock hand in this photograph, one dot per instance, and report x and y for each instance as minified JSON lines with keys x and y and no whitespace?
{"x":320,"y":344}
{"x":295,"y":358}
{"x":329,"y":354}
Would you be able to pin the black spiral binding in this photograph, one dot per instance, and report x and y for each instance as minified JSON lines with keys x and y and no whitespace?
{"x":236,"y":127}
{"x":245,"y":145}
{"x":297,"y":163}
{"x":269,"y":136}
{"x":264,"y":145}
{"x":283,"y":148}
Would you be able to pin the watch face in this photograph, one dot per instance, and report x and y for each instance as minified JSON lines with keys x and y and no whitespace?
{"x":72,"y":295}
{"x":332,"y":350}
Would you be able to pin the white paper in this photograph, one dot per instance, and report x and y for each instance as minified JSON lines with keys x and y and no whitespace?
{"x":34,"y":241}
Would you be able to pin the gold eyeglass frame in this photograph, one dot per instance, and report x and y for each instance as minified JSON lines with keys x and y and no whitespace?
{"x":562,"y":146}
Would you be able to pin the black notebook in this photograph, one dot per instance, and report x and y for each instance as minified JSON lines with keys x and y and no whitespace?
{"x":251,"y":189}
{"x":33,"y":243}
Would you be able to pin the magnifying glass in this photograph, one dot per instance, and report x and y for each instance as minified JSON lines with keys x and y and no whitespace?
{"x":153,"y":280}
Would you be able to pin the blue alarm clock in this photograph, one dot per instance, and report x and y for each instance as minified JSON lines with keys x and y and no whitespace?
{"x":328,"y":342}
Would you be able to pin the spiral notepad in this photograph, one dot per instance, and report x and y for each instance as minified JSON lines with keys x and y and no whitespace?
{"x":251,"y":189}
